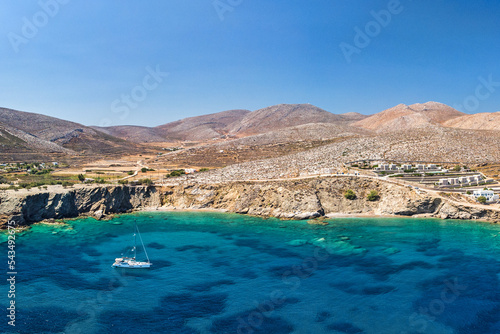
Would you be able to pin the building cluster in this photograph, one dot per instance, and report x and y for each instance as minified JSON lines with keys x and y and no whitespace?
{"x":402,"y":168}
{"x":488,"y":194}
{"x":462,"y":181}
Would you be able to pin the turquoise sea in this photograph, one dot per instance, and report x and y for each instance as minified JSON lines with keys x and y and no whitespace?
{"x":227,"y":273}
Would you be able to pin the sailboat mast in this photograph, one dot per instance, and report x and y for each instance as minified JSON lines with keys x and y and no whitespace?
{"x":142,"y":243}
{"x":135,"y":240}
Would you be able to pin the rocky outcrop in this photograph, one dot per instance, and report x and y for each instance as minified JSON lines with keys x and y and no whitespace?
{"x":294,"y":199}
{"x":453,"y":211}
{"x":26,"y":208}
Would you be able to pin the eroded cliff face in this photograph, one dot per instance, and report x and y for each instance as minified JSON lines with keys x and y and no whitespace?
{"x":26,"y":208}
{"x":297,"y":199}
{"x":301,"y":199}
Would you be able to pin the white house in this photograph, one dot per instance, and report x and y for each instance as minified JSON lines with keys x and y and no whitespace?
{"x":489,"y":194}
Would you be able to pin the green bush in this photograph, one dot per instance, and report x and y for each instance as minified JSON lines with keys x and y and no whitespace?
{"x":67,"y":184}
{"x":123,"y":181}
{"x":481,"y":199}
{"x":349,"y":194}
{"x":372,"y":196}
{"x":81,"y":177}
{"x":177,"y":172}
{"x":144,"y":169}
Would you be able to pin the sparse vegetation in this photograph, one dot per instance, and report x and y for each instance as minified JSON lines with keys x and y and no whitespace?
{"x":145,"y":181}
{"x":350,"y":195}
{"x":175,"y":173}
{"x":372,"y":196}
{"x":481,"y":199}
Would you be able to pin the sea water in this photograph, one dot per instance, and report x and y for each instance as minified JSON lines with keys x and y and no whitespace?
{"x":228,"y":273}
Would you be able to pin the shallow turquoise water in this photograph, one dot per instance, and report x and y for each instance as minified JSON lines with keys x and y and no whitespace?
{"x":226,"y":273}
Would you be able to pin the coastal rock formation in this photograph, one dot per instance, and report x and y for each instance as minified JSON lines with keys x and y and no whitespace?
{"x":297,"y":199}
{"x":30,"y":207}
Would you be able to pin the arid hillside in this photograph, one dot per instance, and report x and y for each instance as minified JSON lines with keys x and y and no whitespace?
{"x":402,"y":117}
{"x":482,"y":121}
{"x":233,"y":123}
{"x":136,"y":134}
{"x":267,"y":145}
{"x":443,"y":145}
{"x":287,"y":115}
{"x":23,"y":132}
{"x":204,"y":127}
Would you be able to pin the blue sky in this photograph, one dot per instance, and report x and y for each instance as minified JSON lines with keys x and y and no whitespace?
{"x":82,"y":59}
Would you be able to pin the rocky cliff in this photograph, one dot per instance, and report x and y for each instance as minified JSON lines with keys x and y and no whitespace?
{"x":297,"y":199}
{"x":34,"y":206}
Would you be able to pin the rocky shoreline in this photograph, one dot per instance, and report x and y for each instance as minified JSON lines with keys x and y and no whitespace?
{"x":294,"y":199}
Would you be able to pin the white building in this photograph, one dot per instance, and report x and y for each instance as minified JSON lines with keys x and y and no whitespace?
{"x":443,"y":182}
{"x":463,"y":180}
{"x":489,"y":194}
{"x":393,"y":167}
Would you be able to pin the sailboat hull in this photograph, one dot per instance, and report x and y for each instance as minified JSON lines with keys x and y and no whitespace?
{"x":132,"y":266}
{"x":130,"y":263}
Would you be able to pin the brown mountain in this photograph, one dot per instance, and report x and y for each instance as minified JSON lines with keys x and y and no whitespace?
{"x":29,"y":132}
{"x":482,"y":121}
{"x":133,"y":133}
{"x":353,"y":116}
{"x":403,"y":117}
{"x":202,"y":127}
{"x":286,"y":115}
{"x":239,"y":123}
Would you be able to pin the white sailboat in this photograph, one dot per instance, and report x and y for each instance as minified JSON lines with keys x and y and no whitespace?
{"x":131,"y":262}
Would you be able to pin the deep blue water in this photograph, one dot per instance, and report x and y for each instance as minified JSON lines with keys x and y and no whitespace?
{"x":226,"y":273}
